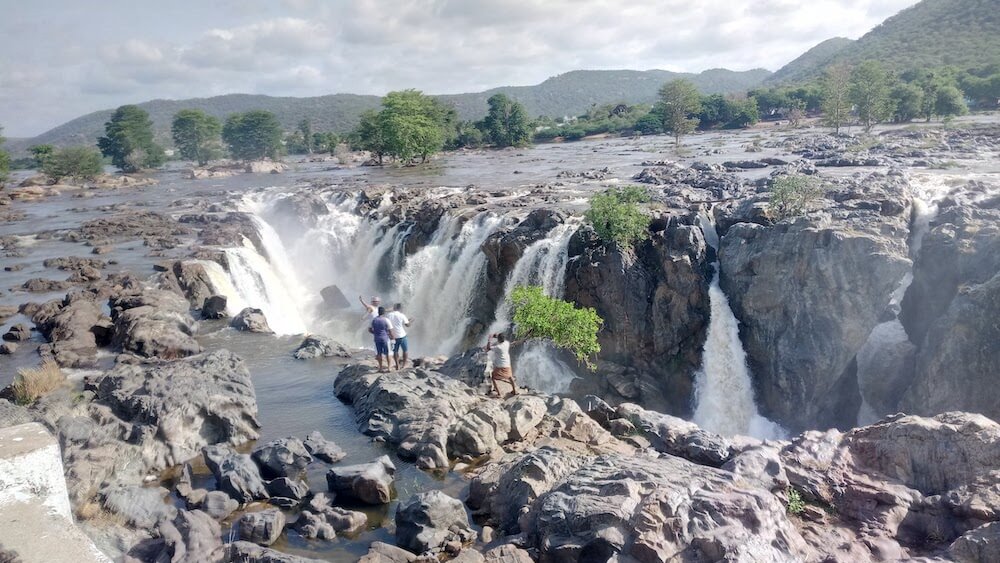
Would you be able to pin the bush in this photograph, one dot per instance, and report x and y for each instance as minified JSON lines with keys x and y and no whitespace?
{"x":73,"y":162}
{"x":537,"y":315}
{"x":792,"y":195}
{"x":616,"y":216}
{"x":33,"y":383}
{"x":795,"y":503}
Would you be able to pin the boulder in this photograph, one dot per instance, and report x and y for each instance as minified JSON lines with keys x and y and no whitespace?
{"x":7,"y":348}
{"x":321,"y":520}
{"x":981,"y":545}
{"x":427,"y":521}
{"x":380,"y":552}
{"x":370,"y":483}
{"x":316,"y":346}
{"x":286,"y":457}
{"x":179,"y":407}
{"x":154,"y":323}
{"x":323,"y":449}
{"x":251,"y":320}
{"x":191,"y":537}
{"x":214,"y":307}
{"x":217,"y":504}
{"x":140,"y":507}
{"x":235,"y":474}
{"x":247,"y":552}
{"x":284,"y":487}
{"x":68,"y":325}
{"x":262,"y":528}
{"x":17,"y":333}
{"x":507,"y":553}
{"x":334,"y":299}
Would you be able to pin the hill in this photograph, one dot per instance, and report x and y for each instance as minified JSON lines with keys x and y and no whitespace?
{"x":807,"y":63}
{"x":963,"y":33}
{"x":571,"y":93}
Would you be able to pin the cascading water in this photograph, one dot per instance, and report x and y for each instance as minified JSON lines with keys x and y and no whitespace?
{"x":885,"y":355}
{"x":544,"y":264}
{"x":724,"y":399}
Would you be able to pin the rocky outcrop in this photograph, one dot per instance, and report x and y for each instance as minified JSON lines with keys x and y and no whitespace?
{"x":950,"y":309}
{"x":321,"y":520}
{"x":153,"y":323}
{"x":286,"y":457}
{"x":178,"y":408}
{"x":318,"y":346}
{"x":426,"y":521}
{"x":235,"y":474}
{"x":809,"y":291}
{"x":70,"y":327}
{"x":655,"y":307}
{"x":262,"y":528}
{"x":323,"y":449}
{"x":247,"y":552}
{"x":370,"y":483}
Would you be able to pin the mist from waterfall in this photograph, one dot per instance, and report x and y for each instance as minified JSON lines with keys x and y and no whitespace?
{"x":723,"y":394}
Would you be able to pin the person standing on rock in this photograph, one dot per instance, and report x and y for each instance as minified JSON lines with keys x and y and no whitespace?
{"x":371,"y":311}
{"x":500,"y":358}
{"x":399,"y":321}
{"x":381,"y":331}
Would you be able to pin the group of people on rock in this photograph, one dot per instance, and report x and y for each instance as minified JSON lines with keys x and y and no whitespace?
{"x":390,"y":329}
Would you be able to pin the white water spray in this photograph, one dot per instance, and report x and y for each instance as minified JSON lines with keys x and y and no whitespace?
{"x":724,"y":399}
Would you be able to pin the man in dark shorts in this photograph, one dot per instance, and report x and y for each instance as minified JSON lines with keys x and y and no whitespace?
{"x":380,"y":329}
{"x":500,"y":358}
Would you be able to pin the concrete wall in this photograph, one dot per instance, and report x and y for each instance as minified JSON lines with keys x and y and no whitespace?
{"x":36,"y":520}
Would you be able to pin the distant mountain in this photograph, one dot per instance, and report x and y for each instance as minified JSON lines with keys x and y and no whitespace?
{"x":963,"y":33}
{"x":807,"y":63}
{"x":571,"y":93}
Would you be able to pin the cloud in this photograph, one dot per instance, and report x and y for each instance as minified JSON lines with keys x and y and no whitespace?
{"x":100,"y":59}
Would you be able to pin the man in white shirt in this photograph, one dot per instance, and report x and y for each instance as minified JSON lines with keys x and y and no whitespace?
{"x":500,"y":358}
{"x":398,"y":322}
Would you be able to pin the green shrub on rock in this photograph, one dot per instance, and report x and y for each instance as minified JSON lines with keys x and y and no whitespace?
{"x":537,"y":315}
{"x":616,"y":216}
{"x":792,"y":195}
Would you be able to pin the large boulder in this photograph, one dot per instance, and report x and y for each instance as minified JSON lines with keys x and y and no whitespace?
{"x":69,"y":326}
{"x":427,"y":521}
{"x":334,"y":299}
{"x":317,"y":346}
{"x":214,"y":307}
{"x":807,"y":293}
{"x":286,"y":457}
{"x":247,"y":552}
{"x":323,"y":449}
{"x":251,"y":320}
{"x":190,"y":537}
{"x":321,"y":520}
{"x":141,"y":507}
{"x":262,"y":528}
{"x":370,"y":483}
{"x":235,"y":474}
{"x":154,"y":323}
{"x":179,"y":407}
{"x":981,"y":545}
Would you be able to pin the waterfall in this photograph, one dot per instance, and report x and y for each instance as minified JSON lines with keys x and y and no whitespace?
{"x":724,"y":399}
{"x":883,"y":356}
{"x":543,"y":263}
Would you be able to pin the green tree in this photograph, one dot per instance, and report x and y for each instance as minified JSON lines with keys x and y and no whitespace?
{"x":836,"y":104}
{"x":196,"y":135}
{"x":73,"y":162}
{"x":537,"y":315}
{"x":253,"y":135}
{"x":128,"y":140}
{"x":370,"y":135}
{"x":410,"y":125}
{"x":616,"y":216}
{"x":950,"y":102}
{"x":679,"y":102}
{"x":791,"y":196}
{"x":305,"y":128}
{"x":506,"y":123}
{"x":4,"y":160}
{"x":869,"y":92}
{"x":41,"y":153}
{"x":325,"y":142}
{"x":908,"y":100}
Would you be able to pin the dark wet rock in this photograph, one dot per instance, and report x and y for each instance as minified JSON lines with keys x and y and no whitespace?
{"x":744,"y":164}
{"x":214,"y":307}
{"x":141,"y":507}
{"x":17,"y":333}
{"x":154,"y":323}
{"x":286,"y":457}
{"x":157,"y":231}
{"x":321,"y":520}
{"x":808,"y":292}
{"x":41,"y":285}
{"x":68,"y":325}
{"x":247,"y":552}
{"x":177,"y":408}
{"x":235,"y":474}
{"x":469,"y":367}
{"x":334,"y":299}
{"x":317,"y":346}
{"x":262,"y":528}
{"x":370,"y":483}
{"x":74,"y":263}
{"x":323,"y":449}
{"x":288,"y":488}
{"x":251,"y":320}
{"x":427,"y":521}
{"x":188,"y":278}
{"x":655,"y":306}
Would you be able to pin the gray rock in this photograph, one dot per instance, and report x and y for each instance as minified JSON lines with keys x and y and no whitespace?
{"x":219,"y":505}
{"x":251,"y":320}
{"x":320,"y":519}
{"x":179,"y":407}
{"x":371,"y":483}
{"x":426,"y":521}
{"x":507,"y":553}
{"x":286,"y":457}
{"x":67,"y":325}
{"x":526,"y":413}
{"x":288,"y":488}
{"x":262,"y":528}
{"x":235,"y":474}
{"x":678,"y":437}
{"x":191,"y":537}
{"x":142,"y":507}
{"x":17,"y":333}
{"x":316,"y":346}
{"x":380,"y":552}
{"x":246,"y":552}
{"x":214,"y":307}
{"x":323,"y":449}
{"x":154,"y":323}
{"x":7,"y":348}
{"x":334,"y":299}
{"x":981,"y":545}
{"x":11,"y":414}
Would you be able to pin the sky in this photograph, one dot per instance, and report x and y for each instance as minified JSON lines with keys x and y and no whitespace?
{"x":63,"y":59}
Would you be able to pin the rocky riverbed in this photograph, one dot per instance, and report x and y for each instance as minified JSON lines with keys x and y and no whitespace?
{"x":199,"y":421}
